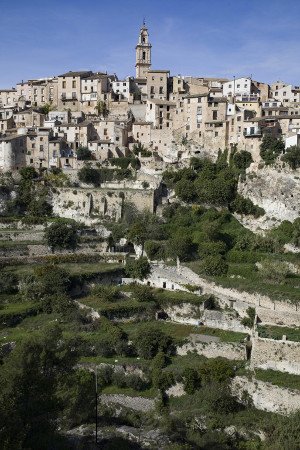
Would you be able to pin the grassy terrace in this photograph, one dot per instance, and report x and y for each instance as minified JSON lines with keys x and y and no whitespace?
{"x":147,"y":393}
{"x":281,"y":379}
{"x":74,"y":268}
{"x":180,"y":331}
{"x":243,"y":276}
{"x":273,"y":332}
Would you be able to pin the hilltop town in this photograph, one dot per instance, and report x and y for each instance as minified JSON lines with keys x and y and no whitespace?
{"x":149,"y":255}
{"x":44,"y":121}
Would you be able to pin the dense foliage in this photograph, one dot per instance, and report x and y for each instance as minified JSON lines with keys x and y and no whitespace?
{"x":271,"y":148}
{"x":62,"y":236}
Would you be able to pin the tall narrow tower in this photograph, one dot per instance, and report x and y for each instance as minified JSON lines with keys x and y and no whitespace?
{"x":143,"y":53}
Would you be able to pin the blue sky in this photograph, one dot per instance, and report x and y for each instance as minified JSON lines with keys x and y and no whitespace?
{"x":189,"y":37}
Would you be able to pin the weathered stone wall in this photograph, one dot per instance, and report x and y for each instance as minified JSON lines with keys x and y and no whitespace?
{"x":276,"y":355}
{"x":223,"y":320}
{"x":266,"y":396}
{"x":88,"y":204}
{"x":229,"y":350}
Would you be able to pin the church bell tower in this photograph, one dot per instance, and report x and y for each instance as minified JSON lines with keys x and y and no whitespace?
{"x":143,"y":53}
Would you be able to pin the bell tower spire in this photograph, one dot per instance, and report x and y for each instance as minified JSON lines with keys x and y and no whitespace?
{"x":143,"y":53}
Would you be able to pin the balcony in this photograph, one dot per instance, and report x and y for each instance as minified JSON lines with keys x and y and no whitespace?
{"x":68,"y":98}
{"x":256,"y":132}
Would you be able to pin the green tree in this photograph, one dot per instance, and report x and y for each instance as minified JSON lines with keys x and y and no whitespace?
{"x":292,"y":156}
{"x":84,"y":154}
{"x":180,"y":245}
{"x":149,"y":340}
{"x":62,"y":236}
{"x":242,"y":160}
{"x":29,"y":379}
{"x":46,"y":281}
{"x":89,"y":175}
{"x":185,"y":190}
{"x":271,"y":148}
{"x":101,"y":108}
{"x":138,"y":268}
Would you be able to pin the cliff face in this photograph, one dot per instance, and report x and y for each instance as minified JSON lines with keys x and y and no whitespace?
{"x":277,"y":190}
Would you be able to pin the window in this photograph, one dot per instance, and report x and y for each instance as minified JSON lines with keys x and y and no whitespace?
{"x":216,"y":133}
{"x":238,"y":85}
{"x":31,"y":161}
{"x":161,"y":90}
{"x":144,"y":55}
{"x":73,"y":84}
{"x":64,"y":85}
{"x":215,"y":115}
{"x":73,"y":94}
{"x":105,"y":131}
{"x":41,"y":148}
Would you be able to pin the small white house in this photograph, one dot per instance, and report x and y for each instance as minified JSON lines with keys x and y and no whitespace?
{"x":292,"y":140}
{"x":238,"y":86}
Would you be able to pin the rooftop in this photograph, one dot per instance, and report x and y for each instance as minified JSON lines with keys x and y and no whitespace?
{"x":82,"y":73}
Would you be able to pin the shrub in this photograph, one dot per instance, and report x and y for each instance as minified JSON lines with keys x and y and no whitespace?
{"x":119,"y":379}
{"x":191,"y":380}
{"x":214,"y":265}
{"x":104,"y":374}
{"x":28,"y":173}
{"x":274,"y":271}
{"x":249,"y":321}
{"x":84,"y":154}
{"x":143,"y":293}
{"x":106,"y":293}
{"x":89,"y":175}
{"x":155,"y":250}
{"x":104,"y":347}
{"x":216,"y":370}
{"x":245,"y":206}
{"x":8,"y":283}
{"x":209,"y":248}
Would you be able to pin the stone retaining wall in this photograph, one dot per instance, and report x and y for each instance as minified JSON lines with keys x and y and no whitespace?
{"x":266,"y":396}
{"x":276,"y":355}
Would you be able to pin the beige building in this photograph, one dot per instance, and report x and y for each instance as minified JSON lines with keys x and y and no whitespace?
{"x":37,"y":154}
{"x":157,"y":84}
{"x":12,"y":152}
{"x":69,"y":89}
{"x":8,"y":98}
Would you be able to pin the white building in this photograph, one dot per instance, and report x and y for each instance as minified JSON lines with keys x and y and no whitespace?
{"x":238,"y":86}
{"x":292,"y":140}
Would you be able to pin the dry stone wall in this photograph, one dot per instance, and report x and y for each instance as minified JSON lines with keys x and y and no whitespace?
{"x":266,"y":396}
{"x":276,"y":355}
{"x":89,"y":205}
{"x":229,"y":350}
